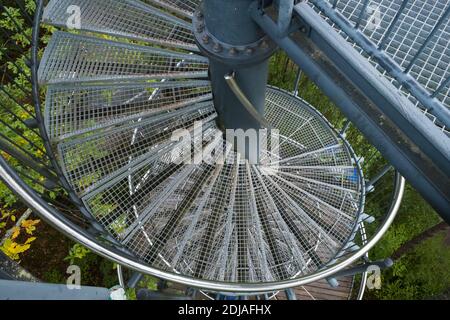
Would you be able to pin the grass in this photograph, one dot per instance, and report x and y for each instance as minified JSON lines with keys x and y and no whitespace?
{"x":423,"y":273}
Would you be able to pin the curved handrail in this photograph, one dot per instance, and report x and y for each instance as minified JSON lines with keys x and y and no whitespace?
{"x":52,"y":216}
{"x":99,"y":246}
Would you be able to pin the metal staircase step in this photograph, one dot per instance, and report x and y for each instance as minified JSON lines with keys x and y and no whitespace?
{"x":275,"y":217}
{"x":231,"y":221}
{"x":78,"y":58}
{"x":158,"y":222}
{"x":336,"y":224}
{"x":124,"y":18}
{"x":88,"y":161}
{"x":75,"y":109}
{"x":233,"y":230}
{"x":184,"y":8}
{"x":136,"y":191}
{"x":238,"y":222}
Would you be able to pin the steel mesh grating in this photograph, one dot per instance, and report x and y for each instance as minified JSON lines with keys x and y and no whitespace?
{"x":75,"y":109}
{"x":183,"y":7}
{"x":229,"y":221}
{"x":136,"y":190}
{"x":74,"y":58}
{"x":88,"y":161}
{"x":413,"y":33}
{"x":130,"y":19}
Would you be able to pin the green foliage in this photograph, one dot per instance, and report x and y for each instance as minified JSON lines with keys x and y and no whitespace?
{"x":420,"y":274}
{"x":415,"y":216}
{"x":148,"y":282}
{"x":95,"y":270}
{"x":76,"y":253}
{"x":7,"y":198}
{"x":15,"y":96}
{"x":53,"y":276}
{"x":131,"y":294}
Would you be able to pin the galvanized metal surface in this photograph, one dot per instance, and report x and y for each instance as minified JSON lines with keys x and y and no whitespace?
{"x":211,"y":178}
{"x":77,"y":58}
{"x":75,"y":232}
{"x":119,"y":18}
{"x":88,"y":160}
{"x":184,"y":8}
{"x":232,"y":222}
{"x":408,"y":43}
{"x":404,"y":135}
{"x":76,"y":109}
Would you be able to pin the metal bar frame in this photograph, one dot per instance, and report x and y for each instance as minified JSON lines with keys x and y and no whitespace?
{"x":405,"y":137}
{"x":407,"y":81}
{"x":109,"y":251}
{"x":64,"y":225}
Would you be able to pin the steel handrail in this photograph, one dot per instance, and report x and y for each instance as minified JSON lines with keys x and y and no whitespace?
{"x":65,"y":226}
{"x":117,"y":254}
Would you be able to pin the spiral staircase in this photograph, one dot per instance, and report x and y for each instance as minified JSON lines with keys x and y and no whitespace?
{"x":113,"y":95}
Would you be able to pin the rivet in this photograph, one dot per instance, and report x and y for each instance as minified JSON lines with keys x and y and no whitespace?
{"x":199,"y":15}
{"x":249,"y":51}
{"x":217,"y":47}
{"x":264,"y":44}
{"x":200,"y":27}
{"x":205,"y":39}
{"x":233,"y":51}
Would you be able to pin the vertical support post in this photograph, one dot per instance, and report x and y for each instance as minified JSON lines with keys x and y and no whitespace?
{"x":252,"y":80}
{"x":235,"y":44}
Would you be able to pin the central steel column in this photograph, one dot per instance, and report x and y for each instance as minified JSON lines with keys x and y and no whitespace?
{"x":226,"y":33}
